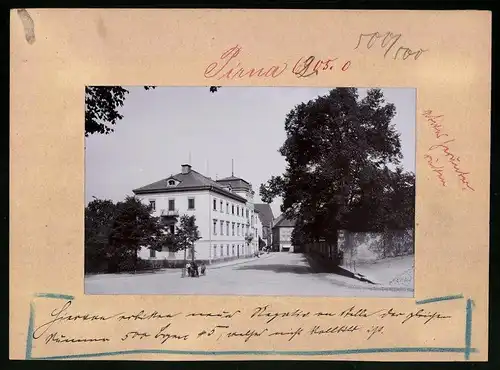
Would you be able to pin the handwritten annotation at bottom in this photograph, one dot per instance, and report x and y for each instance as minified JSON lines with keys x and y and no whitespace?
{"x":62,"y":325}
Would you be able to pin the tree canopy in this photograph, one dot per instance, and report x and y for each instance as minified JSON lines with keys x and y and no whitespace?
{"x":102,"y":105}
{"x":343,"y":167}
{"x":99,"y":217}
{"x":114,"y":233}
{"x":186,"y":235}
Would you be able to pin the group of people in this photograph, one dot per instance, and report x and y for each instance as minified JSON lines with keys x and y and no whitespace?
{"x":194,"y":270}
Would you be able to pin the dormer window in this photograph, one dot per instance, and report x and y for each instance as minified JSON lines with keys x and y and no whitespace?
{"x":171,"y":182}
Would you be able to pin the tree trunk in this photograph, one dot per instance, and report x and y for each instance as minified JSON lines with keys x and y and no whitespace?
{"x":192,"y":253}
{"x":334,"y":240}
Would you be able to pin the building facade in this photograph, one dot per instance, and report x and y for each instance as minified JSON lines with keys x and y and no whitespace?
{"x":223,"y":209}
{"x":282,"y":234}
{"x":266,"y":217}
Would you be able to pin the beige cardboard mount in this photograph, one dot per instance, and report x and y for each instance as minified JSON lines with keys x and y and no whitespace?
{"x":55,"y":53}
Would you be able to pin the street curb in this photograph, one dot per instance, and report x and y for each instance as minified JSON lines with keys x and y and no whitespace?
{"x":361,"y":285}
{"x":375,"y":286}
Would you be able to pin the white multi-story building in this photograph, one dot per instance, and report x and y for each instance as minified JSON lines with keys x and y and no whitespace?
{"x":224,"y":211}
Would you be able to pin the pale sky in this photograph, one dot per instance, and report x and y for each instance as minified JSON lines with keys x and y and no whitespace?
{"x":163,"y":128}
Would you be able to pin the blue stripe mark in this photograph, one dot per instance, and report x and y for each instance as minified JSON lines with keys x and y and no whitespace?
{"x":468,"y":328}
{"x":31,"y":325}
{"x":283,"y":353}
{"x":439,"y":299}
{"x":55,"y":296}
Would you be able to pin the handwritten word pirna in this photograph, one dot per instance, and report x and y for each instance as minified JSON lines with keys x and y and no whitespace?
{"x":230,"y":67}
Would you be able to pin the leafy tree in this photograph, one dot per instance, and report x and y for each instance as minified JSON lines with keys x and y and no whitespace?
{"x":99,"y":217}
{"x":338,"y":150}
{"x":102,"y":104}
{"x":248,"y":238}
{"x":115,"y":232}
{"x":133,"y":227}
{"x":186,"y":235}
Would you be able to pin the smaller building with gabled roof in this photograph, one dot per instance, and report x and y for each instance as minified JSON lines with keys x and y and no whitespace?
{"x":282,"y":234}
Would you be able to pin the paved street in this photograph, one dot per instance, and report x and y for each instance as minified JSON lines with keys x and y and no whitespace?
{"x":283,"y":274}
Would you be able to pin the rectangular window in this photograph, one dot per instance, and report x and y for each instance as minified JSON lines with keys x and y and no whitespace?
{"x":172,"y":229}
{"x":221,"y":250}
{"x":171,"y":204}
{"x":215,"y":227}
{"x":247,"y":213}
{"x":233,"y":228}
{"x":237,"y":210}
{"x":227,"y":207}
{"x":222,"y":227}
{"x":227,"y":229}
{"x":221,"y":203}
{"x":152,"y":204}
{"x":190,"y":203}
{"x":152,"y":253}
{"x":227,"y":250}
{"x":215,"y":204}
{"x":238,"y":229}
{"x":215,"y":251}
{"x":232,"y":209}
{"x":233,"y":249}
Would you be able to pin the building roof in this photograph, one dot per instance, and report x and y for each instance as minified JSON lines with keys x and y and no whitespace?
{"x":265,"y":213}
{"x":235,"y":182}
{"x":281,"y":221}
{"x":192,"y":180}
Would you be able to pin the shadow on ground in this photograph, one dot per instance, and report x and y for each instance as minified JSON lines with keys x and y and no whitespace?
{"x":321,"y":266}
{"x":282,"y":268}
{"x":279,"y":269}
{"x":307,"y":265}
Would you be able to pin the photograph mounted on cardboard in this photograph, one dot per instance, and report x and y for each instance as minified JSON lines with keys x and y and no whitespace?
{"x":281,"y":191}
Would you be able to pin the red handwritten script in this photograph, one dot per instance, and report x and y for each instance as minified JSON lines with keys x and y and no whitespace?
{"x":230,"y":67}
{"x":443,"y":150}
{"x":311,"y":66}
{"x":387,"y":42}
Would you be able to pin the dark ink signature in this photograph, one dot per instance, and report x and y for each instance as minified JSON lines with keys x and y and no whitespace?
{"x":263,"y":311}
{"x":59,"y":315}
{"x":222,"y":315}
{"x":164,"y":335}
{"x":351,"y":320}
{"x":61,"y":338}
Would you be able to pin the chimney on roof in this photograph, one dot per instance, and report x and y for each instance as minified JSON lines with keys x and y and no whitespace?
{"x":186,"y":168}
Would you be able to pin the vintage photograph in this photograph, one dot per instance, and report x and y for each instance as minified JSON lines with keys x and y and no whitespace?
{"x":280,"y":191}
